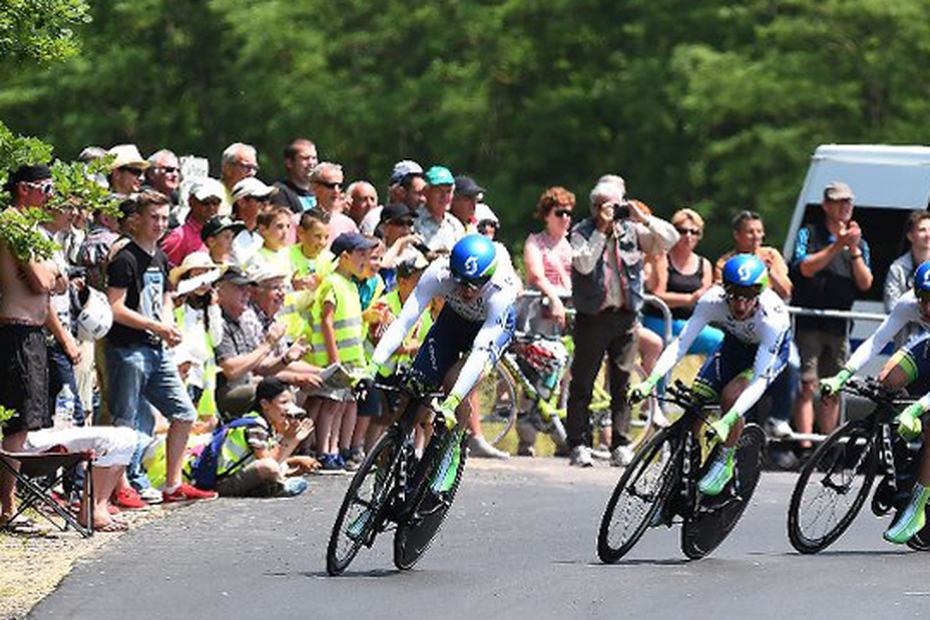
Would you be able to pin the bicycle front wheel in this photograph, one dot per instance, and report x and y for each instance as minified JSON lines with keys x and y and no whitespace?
{"x":364,"y":503}
{"x":497,"y":404}
{"x":832,"y":487}
{"x":417,"y":530}
{"x":643,"y":487}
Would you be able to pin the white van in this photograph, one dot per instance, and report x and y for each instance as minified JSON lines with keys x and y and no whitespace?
{"x":889,"y":182}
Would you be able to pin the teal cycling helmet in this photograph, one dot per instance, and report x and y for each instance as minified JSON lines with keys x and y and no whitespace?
{"x":745,"y":270}
{"x":473,"y":260}
{"x":922,"y":279}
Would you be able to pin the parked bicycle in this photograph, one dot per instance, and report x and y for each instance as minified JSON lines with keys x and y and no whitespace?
{"x":835,"y":482}
{"x":660,"y":485}
{"x":393,"y":489}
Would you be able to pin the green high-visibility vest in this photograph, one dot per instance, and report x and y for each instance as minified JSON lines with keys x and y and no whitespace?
{"x":235,"y":453}
{"x":347,"y":322}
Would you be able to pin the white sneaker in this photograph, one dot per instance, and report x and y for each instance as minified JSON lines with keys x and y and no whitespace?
{"x":151,"y":495}
{"x":479,"y":447}
{"x":778,"y":429}
{"x":621,"y":456}
{"x":581,"y":457}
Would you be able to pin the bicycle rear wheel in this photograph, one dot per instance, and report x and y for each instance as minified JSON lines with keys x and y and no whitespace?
{"x":419,"y":527}
{"x":643,"y":487}
{"x":497,"y":404}
{"x":365,"y":502}
{"x":714,"y":518}
{"x":832,"y":487}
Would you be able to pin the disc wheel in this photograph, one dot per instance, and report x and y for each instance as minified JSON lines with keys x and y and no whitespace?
{"x":644,"y":485}
{"x":364,"y":504}
{"x":714,"y":518}
{"x":497,"y":404}
{"x":418,"y":529}
{"x":832,"y":487}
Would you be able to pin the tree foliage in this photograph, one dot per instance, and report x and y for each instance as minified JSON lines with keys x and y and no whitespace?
{"x":715,"y":104}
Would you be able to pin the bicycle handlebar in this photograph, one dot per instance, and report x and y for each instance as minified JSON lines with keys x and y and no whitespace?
{"x":874,"y":390}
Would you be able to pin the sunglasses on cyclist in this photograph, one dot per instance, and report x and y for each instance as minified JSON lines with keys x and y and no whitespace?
{"x":742,"y":294}
{"x":475,"y":284}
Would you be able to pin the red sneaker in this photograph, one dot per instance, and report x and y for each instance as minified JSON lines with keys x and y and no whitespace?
{"x":129,"y":499}
{"x":187,"y":493}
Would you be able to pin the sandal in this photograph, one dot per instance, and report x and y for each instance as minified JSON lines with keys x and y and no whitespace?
{"x":112,"y":526}
{"x":24,"y":526}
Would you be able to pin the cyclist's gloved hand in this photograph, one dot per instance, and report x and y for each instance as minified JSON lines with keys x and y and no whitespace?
{"x":641,"y":391}
{"x":909,"y":424}
{"x":364,"y":381}
{"x":721,"y":428}
{"x":447,"y":409}
{"x":832,"y":385}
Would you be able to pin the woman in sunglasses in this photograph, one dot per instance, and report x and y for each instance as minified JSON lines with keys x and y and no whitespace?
{"x":548,"y":256}
{"x":679,"y":278}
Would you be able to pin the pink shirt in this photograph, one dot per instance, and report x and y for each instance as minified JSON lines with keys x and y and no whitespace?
{"x":340,"y":223}
{"x":182,"y":241}
{"x":556,"y":259}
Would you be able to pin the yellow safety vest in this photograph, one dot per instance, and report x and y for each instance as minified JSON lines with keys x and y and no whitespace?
{"x":298,"y":305}
{"x":206,"y":406}
{"x":347,"y":322}
{"x":417,"y":334}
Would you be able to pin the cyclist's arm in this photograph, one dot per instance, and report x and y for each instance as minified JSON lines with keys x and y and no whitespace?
{"x":892,"y":324}
{"x":702,"y":316}
{"x":769,"y":362}
{"x":493,"y":338}
{"x":428,"y":287}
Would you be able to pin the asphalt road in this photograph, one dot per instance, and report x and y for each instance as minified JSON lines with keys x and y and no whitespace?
{"x":519,"y":543}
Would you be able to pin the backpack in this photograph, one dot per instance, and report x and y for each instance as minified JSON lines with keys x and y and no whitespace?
{"x":203,"y":468}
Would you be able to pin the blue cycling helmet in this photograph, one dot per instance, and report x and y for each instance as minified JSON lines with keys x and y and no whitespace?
{"x":922,"y":278}
{"x":473,"y":260}
{"x":745,"y":270}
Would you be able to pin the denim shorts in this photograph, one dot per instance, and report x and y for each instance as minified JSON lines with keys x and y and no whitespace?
{"x":143,"y":374}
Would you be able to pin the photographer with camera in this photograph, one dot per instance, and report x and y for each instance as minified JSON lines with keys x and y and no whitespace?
{"x":607,"y":291}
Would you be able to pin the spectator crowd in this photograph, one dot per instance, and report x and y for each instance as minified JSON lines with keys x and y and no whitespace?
{"x":228,"y":303}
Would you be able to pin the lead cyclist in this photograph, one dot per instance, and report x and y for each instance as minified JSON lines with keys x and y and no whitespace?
{"x":908,"y":367}
{"x":477,"y":318}
{"x":755,"y":349}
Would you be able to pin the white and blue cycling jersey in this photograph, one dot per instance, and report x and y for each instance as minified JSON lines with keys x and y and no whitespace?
{"x":484,"y":325}
{"x":760,"y":343}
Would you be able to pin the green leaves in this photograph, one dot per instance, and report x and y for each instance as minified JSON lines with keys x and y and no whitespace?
{"x":40,"y":30}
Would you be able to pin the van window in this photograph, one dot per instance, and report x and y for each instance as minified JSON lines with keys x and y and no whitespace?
{"x":884,"y":229}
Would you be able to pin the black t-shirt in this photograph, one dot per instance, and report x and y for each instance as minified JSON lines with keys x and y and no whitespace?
{"x":145,"y":278}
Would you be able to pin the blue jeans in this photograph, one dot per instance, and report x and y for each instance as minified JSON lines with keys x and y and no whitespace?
{"x":60,"y":374}
{"x":141,"y":378}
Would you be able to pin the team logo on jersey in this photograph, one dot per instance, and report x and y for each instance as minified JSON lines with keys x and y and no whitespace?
{"x":471,"y":266}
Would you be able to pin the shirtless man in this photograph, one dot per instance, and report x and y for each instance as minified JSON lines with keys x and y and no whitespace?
{"x":24,"y":308}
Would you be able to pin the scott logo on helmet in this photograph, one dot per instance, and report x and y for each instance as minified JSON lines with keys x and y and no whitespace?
{"x":744,"y":271}
{"x":471,"y":266}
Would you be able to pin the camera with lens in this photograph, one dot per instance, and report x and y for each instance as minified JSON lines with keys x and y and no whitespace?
{"x":621,"y":210}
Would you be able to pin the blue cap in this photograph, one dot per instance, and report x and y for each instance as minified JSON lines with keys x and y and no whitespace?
{"x":439,"y":175}
{"x":351,"y":241}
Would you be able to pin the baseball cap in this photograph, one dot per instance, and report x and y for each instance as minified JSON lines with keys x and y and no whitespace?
{"x":217,"y":224}
{"x":439,"y":175}
{"x":403,"y":168}
{"x":351,"y":241}
{"x":466,"y":186}
{"x":263,"y":271}
{"x":837,"y":190}
{"x":251,"y":187}
{"x":394,"y":212}
{"x":206,"y":188}
{"x":28,"y":174}
{"x":234,"y":275}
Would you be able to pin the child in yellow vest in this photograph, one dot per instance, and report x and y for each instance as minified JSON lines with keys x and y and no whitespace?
{"x":337,"y":336}
{"x":310,"y":262}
